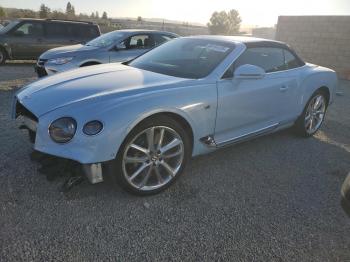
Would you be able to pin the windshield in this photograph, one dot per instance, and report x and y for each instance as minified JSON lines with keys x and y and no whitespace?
{"x":9,"y":26}
{"x":185,"y":57}
{"x":106,"y":39}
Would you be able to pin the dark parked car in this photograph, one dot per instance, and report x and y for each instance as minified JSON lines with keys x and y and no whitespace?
{"x":28,"y":38}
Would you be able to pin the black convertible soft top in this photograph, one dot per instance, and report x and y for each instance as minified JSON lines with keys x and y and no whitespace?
{"x":263,"y":43}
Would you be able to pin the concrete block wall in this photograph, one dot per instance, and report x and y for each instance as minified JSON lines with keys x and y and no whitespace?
{"x":322,"y":40}
{"x":264,"y":32}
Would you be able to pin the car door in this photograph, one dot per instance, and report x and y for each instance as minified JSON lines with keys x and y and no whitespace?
{"x":27,"y":40}
{"x":247,"y":107}
{"x":131,"y":47}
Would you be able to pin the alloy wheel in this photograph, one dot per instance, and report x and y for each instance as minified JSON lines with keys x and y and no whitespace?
{"x":315,"y":114}
{"x":153,"y":158}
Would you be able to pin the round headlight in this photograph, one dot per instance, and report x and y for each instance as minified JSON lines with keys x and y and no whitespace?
{"x":63,"y":129}
{"x":92,"y":128}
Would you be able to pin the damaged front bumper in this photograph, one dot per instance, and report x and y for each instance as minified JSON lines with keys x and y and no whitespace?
{"x":93,"y":172}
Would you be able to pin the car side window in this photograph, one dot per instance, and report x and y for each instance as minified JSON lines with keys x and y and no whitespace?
{"x":160,"y":39}
{"x":56,"y":30}
{"x":29,"y":29}
{"x":271,"y":59}
{"x":86,"y":31}
{"x":290,"y":60}
{"x":138,"y":42}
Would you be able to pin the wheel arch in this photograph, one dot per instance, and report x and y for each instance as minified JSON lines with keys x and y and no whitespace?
{"x":89,"y":63}
{"x":326,"y":91}
{"x":181,"y":118}
{"x":325,"y":81}
{"x":7,"y":54}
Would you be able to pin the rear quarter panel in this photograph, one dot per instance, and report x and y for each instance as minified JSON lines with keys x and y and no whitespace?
{"x":313,"y":77}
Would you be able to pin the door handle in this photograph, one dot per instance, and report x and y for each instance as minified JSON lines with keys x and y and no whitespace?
{"x":284,"y":88}
{"x":40,"y":40}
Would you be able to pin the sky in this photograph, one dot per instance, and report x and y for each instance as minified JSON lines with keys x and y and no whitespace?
{"x":253,"y":12}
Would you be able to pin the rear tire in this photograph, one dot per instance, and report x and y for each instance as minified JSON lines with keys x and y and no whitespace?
{"x":3,"y":57}
{"x":152,"y":157}
{"x":312,"y":117}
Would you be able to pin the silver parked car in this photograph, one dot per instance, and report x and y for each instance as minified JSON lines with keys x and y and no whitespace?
{"x":116,"y":46}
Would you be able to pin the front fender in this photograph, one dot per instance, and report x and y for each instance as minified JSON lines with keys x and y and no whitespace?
{"x":196,"y":104}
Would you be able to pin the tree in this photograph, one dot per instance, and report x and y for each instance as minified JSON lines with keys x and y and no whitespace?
{"x":44,"y":11}
{"x":83,"y":16}
{"x":104,"y":15}
{"x":224,"y":23}
{"x":58,"y":15}
{"x":139,"y":19}
{"x":97,"y":16}
{"x":26,"y":13}
{"x":2,"y":12}
{"x":234,"y":20}
{"x":70,"y":10}
{"x":92,"y":15}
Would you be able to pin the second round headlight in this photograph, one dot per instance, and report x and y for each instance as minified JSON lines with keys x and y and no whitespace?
{"x":63,"y":129}
{"x":92,"y":128}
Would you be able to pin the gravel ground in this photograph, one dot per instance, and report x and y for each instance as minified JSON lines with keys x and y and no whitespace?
{"x":275,"y":198}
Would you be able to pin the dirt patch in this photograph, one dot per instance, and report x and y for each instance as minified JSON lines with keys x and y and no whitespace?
{"x":15,"y":84}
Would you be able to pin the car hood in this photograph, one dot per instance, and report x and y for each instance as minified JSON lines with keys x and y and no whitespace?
{"x":68,"y":51}
{"x":65,"y":88}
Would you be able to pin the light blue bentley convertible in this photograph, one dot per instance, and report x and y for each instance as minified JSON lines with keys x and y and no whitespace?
{"x":141,"y":121}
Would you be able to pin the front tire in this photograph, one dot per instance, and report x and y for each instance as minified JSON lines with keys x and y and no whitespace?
{"x":310,"y":121}
{"x":152,"y":157}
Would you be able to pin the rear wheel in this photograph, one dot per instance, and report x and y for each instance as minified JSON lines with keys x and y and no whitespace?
{"x":2,"y":57}
{"x":313,"y":115}
{"x":152,"y":157}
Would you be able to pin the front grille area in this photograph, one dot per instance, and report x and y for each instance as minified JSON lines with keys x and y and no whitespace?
{"x":41,"y":72}
{"x":41,"y":62}
{"x":22,"y":111}
{"x":39,"y":67}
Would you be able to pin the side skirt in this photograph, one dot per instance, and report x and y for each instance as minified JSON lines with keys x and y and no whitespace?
{"x":210,"y":141}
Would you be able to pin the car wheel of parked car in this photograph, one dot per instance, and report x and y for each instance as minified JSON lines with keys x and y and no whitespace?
{"x":2,"y":57}
{"x":313,"y":115}
{"x":152,"y":157}
{"x":90,"y":64}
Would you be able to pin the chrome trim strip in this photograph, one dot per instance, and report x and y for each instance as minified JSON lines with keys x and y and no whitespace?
{"x":248,"y":135}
